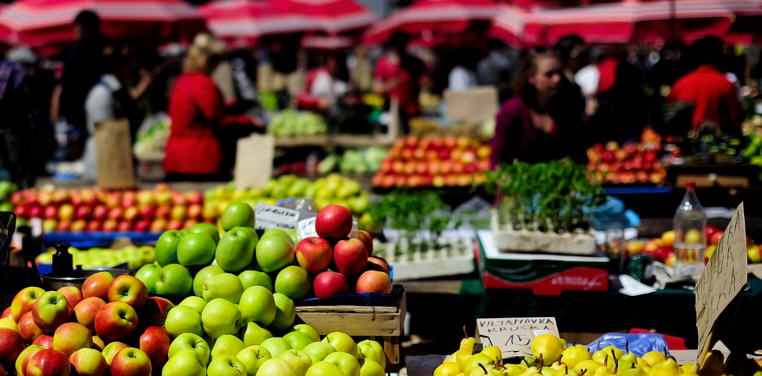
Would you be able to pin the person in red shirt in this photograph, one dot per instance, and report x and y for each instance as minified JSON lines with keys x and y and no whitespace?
{"x":714,"y":96}
{"x":196,"y":109}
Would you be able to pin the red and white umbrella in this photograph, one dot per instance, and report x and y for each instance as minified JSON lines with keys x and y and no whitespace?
{"x":633,"y":20}
{"x":513,"y":25}
{"x":47,"y":22}
{"x":245,"y":21}
{"x":433,"y":17}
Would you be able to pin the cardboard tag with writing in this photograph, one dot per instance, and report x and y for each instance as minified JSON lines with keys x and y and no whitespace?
{"x":306,"y":228}
{"x":254,"y":161}
{"x":723,"y":278}
{"x":268,"y":217}
{"x":514,"y":335}
{"x":471,"y":105}
{"x":113,"y":155}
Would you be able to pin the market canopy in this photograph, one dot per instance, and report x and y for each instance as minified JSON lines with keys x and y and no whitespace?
{"x":245,"y":21}
{"x":39,"y":23}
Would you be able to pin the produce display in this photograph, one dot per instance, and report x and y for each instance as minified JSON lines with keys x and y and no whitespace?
{"x":94,"y":209}
{"x":289,"y":123}
{"x":551,"y":356}
{"x":133,"y":256}
{"x":7,"y":189}
{"x":360,"y":162}
{"x":629,"y":163}
{"x":434,"y":161}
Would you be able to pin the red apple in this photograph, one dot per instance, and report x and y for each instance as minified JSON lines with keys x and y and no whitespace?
{"x":24,"y":300}
{"x":124,"y":226}
{"x":163,"y":211}
{"x":330,"y":283}
{"x":142,"y":225}
{"x":115,"y":321}
{"x":50,"y":311}
{"x":35,"y":211}
{"x":94,"y":226}
{"x":189,"y":223}
{"x":131,"y":362}
{"x":147,"y":212}
{"x":73,"y":295}
{"x":109,"y":225}
{"x":128,"y":289}
{"x":350,"y":256}
{"x":83,"y":212}
{"x":377,"y":263}
{"x":175,"y":225}
{"x":715,"y":239}
{"x":50,"y":212}
{"x":100,"y":212}
{"x":373,"y":281}
{"x":194,"y":198}
{"x":367,"y":241}
{"x":158,"y":225}
{"x":6,"y":313}
{"x":44,"y":340}
{"x":86,"y":310}
{"x":130,"y":213}
{"x":155,"y":343}
{"x":113,"y":348}
{"x":47,"y":362}
{"x":129,"y":200}
{"x":11,"y":345}
{"x":115,"y":213}
{"x":97,"y":285}
{"x":194,"y":211}
{"x":78,"y":226}
{"x":28,"y":330}
{"x":333,"y":221}
{"x":70,"y":337}
{"x":314,"y":254}
{"x":154,"y":312}
{"x":89,"y":362}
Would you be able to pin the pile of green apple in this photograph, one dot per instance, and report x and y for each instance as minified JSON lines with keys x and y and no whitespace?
{"x":96,"y":257}
{"x":289,"y":123}
{"x":7,"y":188}
{"x":332,"y":189}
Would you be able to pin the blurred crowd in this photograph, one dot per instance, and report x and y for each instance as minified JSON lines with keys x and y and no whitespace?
{"x":556,"y":100}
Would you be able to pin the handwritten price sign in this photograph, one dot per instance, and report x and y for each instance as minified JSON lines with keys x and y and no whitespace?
{"x":268,"y":217}
{"x":514,"y":335}
{"x":723,"y":278}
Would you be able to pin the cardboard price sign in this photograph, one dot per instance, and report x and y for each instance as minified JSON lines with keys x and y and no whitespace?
{"x":268,"y":217}
{"x":514,"y":335}
{"x":723,"y":278}
{"x":254,"y":161}
{"x":306,"y":228}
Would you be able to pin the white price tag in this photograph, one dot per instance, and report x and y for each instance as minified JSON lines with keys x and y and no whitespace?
{"x":268,"y":217}
{"x":306,"y":228}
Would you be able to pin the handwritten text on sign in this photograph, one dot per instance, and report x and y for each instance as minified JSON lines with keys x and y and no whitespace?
{"x":306,"y":228}
{"x":269,"y":217}
{"x":722,"y":280}
{"x":514,"y":335}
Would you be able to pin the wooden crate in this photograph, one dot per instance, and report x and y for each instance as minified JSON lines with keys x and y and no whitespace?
{"x":384,"y":322}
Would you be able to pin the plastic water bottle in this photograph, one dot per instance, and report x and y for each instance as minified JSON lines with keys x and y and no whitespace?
{"x":690,"y":234}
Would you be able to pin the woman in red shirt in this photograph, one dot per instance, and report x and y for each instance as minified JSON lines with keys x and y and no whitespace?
{"x":196,"y":109}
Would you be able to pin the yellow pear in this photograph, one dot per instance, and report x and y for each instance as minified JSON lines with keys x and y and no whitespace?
{"x":531,"y":371}
{"x":575,"y":354}
{"x":466,"y":349}
{"x":688,"y":369}
{"x":514,"y":370}
{"x":452,"y":358}
{"x":549,"y":371}
{"x":633,"y":370}
{"x":474,"y":361}
{"x":587,"y":367}
{"x":666,"y":368}
{"x":447,"y":369}
{"x":495,"y":353}
{"x":600,"y":355}
{"x":653,"y":358}
{"x":547,"y":347}
{"x":483,"y":370}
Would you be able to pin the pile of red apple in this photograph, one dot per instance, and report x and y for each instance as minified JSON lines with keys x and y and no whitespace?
{"x":662,"y":249}
{"x":95,"y":209}
{"x":629,"y":164}
{"x":434,"y":161}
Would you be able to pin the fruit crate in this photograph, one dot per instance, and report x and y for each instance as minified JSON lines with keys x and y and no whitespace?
{"x":373,"y":321}
{"x":454,"y":257}
{"x":509,"y":240}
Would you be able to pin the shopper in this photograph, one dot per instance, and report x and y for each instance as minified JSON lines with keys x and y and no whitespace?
{"x":326,"y":84}
{"x":540,"y":123}
{"x":196,"y":110}
{"x":714,"y":96}
{"x":15,"y":137}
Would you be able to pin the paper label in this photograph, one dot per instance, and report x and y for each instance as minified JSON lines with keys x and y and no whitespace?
{"x":306,"y":228}
{"x":268,"y":217}
{"x":514,"y":335}
{"x":723,"y":278}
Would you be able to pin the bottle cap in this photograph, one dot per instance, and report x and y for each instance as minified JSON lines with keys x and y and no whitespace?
{"x":690,"y":184}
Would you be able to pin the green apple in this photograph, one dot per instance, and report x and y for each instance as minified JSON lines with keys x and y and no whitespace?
{"x":219,"y":317}
{"x":184,"y":363}
{"x":224,"y":285}
{"x":174,"y":279}
{"x":196,"y":302}
{"x":276,"y":346}
{"x":255,"y":278}
{"x":226,"y":365}
{"x":183,"y":319}
{"x":347,"y":363}
{"x":318,"y":351}
{"x":371,"y":368}
{"x":202,"y":276}
{"x":237,"y":214}
{"x":149,"y":274}
{"x":274,"y":251}
{"x":297,"y":340}
{"x":308,"y":330}
{"x":227,"y":344}
{"x":285,"y":312}
{"x":255,"y":334}
{"x":252,"y":358}
{"x":341,"y":342}
{"x":293,"y":282}
{"x":206,"y":228}
{"x":258,"y":305}
{"x":276,"y":367}
{"x":235,"y":250}
{"x":324,"y":369}
{"x":369,"y":349}
{"x":166,"y":247}
{"x":193,"y":342}
{"x":196,"y":249}
{"x":298,"y":359}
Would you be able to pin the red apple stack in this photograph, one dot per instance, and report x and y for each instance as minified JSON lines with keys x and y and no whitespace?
{"x":629,"y":163}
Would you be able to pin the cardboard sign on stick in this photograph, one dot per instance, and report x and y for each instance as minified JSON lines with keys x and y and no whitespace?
{"x":514,"y":335}
{"x":113,"y":155}
{"x":723,"y":278}
{"x":471,"y":105}
{"x":254,"y":161}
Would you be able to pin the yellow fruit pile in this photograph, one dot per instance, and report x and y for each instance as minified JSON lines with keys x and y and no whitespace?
{"x":551,"y":357}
